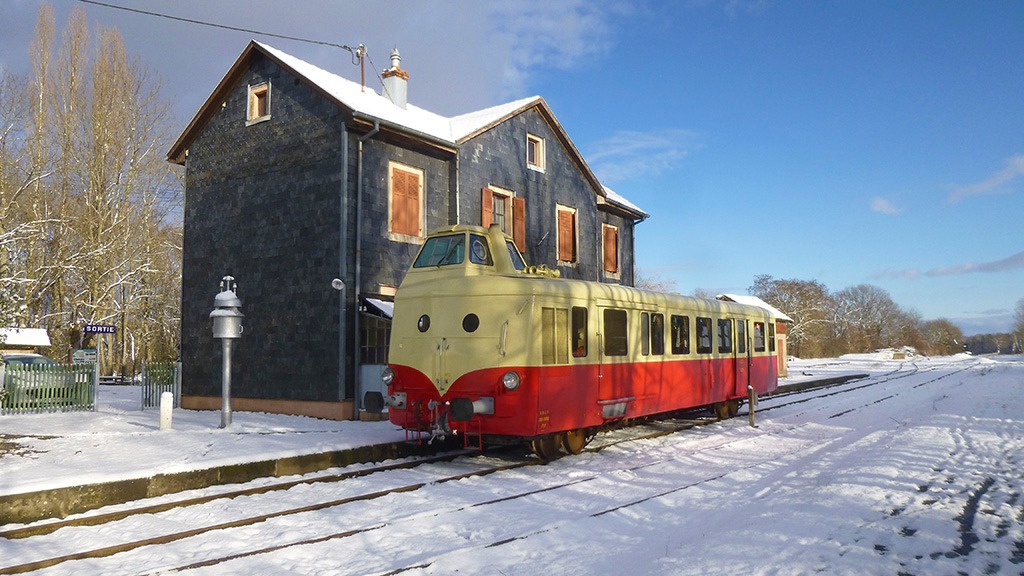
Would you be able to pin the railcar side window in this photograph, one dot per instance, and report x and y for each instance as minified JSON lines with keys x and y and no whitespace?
{"x":703,"y":335}
{"x":741,"y":336}
{"x":554,"y":339}
{"x":442,"y":251}
{"x":758,"y":336}
{"x":616,"y":341}
{"x":579,"y":331}
{"x":479,"y":253}
{"x":771,"y":337}
{"x":680,"y":334}
{"x":657,"y":334}
{"x":724,"y":336}
{"x":645,"y":333}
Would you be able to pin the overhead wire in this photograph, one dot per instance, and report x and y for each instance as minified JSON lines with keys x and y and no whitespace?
{"x":357,"y":52}
{"x":215,"y":25}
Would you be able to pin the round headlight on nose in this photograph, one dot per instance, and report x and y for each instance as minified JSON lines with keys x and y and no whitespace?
{"x":387,"y":375}
{"x":510,"y":380}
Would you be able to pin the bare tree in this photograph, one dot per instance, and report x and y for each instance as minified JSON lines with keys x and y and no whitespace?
{"x":942,"y":337}
{"x":94,"y":189}
{"x":808,"y":303}
{"x":1018,"y":327}
{"x":869,"y":318}
{"x":15,"y":184}
{"x":647,"y":280}
{"x":703,"y":293}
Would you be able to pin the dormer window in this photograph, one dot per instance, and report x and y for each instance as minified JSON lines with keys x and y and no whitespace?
{"x":259,"y":103}
{"x":535,"y":152}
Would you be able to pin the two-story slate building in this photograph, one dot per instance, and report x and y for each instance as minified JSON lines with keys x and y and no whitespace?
{"x":296,"y":177}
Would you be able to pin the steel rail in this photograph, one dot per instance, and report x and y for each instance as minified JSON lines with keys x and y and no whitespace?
{"x":673,"y":426}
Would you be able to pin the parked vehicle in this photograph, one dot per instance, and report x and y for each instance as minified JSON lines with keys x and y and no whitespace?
{"x":33,"y":382}
{"x":27,"y":358}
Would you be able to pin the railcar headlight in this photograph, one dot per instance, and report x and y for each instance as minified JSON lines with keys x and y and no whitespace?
{"x":510,"y":380}
{"x":387,"y":375}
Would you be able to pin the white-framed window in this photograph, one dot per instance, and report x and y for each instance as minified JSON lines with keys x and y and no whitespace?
{"x":566,"y":234}
{"x":405,"y":203}
{"x":258,"y":108}
{"x":499,"y":202}
{"x":535,"y":152}
{"x":503,"y":207}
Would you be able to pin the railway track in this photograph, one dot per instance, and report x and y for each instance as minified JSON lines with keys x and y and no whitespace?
{"x":780,"y":400}
{"x":393,"y":482}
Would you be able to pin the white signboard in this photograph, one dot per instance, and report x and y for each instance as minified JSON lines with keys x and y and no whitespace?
{"x":83,"y":356}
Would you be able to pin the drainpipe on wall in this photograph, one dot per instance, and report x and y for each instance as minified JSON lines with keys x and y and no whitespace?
{"x":343,"y":263}
{"x":359,"y":255}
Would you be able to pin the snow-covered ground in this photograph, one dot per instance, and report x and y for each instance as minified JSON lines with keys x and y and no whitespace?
{"x":119,"y":441}
{"x":915,"y":471}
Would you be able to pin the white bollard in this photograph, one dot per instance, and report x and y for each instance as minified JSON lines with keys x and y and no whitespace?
{"x":166,"y":406}
{"x":751,"y":405}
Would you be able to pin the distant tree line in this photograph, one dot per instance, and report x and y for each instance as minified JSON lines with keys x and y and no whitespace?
{"x":1011,"y":343}
{"x":89,"y":208}
{"x":861,"y":318}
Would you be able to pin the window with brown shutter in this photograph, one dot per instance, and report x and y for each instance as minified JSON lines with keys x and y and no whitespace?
{"x":519,"y":223}
{"x":566,"y":234}
{"x":499,"y":206}
{"x":258,"y":108}
{"x":487,"y":207}
{"x":406,"y":201}
{"x":611,"y":249}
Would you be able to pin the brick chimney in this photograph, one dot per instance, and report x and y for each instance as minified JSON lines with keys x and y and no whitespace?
{"x":396,"y":81}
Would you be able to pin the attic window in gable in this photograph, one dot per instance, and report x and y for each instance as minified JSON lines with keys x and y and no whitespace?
{"x":534,"y":152}
{"x":259,"y":103}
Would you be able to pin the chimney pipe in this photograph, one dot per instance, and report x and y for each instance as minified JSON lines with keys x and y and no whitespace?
{"x":396,"y":81}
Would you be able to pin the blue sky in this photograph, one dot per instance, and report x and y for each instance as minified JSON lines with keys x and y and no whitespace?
{"x":850,"y":142}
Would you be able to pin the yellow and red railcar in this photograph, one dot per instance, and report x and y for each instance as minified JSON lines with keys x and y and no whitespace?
{"x":485,"y":346}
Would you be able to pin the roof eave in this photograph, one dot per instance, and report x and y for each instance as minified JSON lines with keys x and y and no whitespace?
{"x":608,"y":206}
{"x":179,"y":149}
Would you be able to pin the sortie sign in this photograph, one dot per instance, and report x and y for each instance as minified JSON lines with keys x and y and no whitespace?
{"x":100,"y":329}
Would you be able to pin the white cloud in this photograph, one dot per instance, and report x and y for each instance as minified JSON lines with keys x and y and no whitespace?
{"x":543,"y":34}
{"x":884,"y":206}
{"x":1013,"y":262}
{"x":628,"y":154}
{"x":994,"y":184}
{"x":1009,"y":263}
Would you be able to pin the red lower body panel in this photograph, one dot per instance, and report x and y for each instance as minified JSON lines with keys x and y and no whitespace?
{"x":558,"y":398}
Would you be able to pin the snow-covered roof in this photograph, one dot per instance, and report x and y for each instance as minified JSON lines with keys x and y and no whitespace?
{"x":367,"y":101}
{"x":614,"y":197}
{"x":369,"y":105}
{"x":755,"y":301}
{"x":386,"y":308}
{"x":24,"y":337}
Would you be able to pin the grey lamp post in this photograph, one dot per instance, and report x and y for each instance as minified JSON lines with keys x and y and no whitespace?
{"x":227,"y":325}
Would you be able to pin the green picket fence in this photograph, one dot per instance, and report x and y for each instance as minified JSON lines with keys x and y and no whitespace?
{"x":36,"y":388}
{"x":160,"y":377}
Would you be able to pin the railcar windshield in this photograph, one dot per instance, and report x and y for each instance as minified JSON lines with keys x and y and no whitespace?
{"x":442,"y":251}
{"x":517,"y":258}
{"x":448,"y":250}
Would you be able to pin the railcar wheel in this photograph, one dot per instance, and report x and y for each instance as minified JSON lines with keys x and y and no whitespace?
{"x":721,"y":410}
{"x":574,"y":441}
{"x":546,"y":446}
{"x":734,"y":407}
